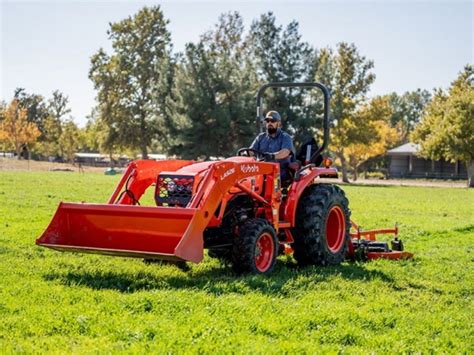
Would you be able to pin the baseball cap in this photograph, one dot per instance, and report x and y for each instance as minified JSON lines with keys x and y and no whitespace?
{"x":273,"y":115}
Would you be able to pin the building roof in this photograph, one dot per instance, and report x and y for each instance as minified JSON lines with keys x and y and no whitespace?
{"x":157,"y":156}
{"x":154,"y":156}
{"x":98,"y":156}
{"x":405,"y":149}
{"x":91,"y":155}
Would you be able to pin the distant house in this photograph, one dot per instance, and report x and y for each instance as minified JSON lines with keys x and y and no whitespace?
{"x":96,"y":159}
{"x":156,"y":156}
{"x":406,"y":163}
{"x":7,"y":154}
{"x":153,"y":156}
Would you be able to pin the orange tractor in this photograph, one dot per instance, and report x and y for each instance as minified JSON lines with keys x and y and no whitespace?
{"x":236,"y":208}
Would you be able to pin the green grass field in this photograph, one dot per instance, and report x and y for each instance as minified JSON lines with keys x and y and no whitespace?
{"x":58,"y":302}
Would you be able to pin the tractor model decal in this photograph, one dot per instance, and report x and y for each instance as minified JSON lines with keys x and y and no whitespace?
{"x":227,"y":173}
{"x":249,"y":168}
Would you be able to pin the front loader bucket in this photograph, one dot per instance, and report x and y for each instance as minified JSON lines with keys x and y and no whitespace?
{"x":123,"y":230}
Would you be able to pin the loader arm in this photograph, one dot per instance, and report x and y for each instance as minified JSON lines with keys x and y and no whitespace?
{"x":220,"y":179}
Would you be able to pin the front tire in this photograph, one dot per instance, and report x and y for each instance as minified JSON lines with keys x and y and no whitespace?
{"x":322,"y":226}
{"x":255,"y":248}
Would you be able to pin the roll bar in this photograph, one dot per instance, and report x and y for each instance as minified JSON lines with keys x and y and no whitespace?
{"x":320,"y":86}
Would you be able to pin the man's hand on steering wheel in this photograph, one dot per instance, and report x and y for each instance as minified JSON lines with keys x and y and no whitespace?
{"x":265,"y":156}
{"x":250,"y":152}
{"x":268,"y":156}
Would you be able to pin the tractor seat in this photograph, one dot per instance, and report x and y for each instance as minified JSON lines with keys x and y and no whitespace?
{"x":294,"y":166}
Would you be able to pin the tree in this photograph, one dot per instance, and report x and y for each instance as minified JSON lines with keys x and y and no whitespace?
{"x":214,"y":93}
{"x":35,"y":105}
{"x":279,"y":54}
{"x":58,"y":105}
{"x":52,"y":125}
{"x":49,"y":144}
{"x":70,"y":139}
{"x":407,"y":111}
{"x":94,"y":133}
{"x":48,"y":116}
{"x":129,"y":101}
{"x":348,"y":76}
{"x":166,"y":101}
{"x":447,"y":128}
{"x":93,"y":138}
{"x":373,"y":120}
{"x":15,"y":128}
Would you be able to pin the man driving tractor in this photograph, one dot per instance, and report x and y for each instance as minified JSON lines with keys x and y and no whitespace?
{"x":275,"y":143}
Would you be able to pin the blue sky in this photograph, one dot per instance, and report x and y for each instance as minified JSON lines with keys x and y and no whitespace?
{"x":47,"y":45}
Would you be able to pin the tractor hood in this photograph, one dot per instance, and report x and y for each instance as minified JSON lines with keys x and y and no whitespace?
{"x":201,"y":167}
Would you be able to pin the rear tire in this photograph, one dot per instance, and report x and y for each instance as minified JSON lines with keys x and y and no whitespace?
{"x":322,"y":226}
{"x":255,"y":248}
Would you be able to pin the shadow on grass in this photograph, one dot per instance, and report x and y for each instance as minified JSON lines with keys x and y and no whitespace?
{"x":218,"y":280}
{"x":4,"y":250}
{"x":358,"y":184}
{"x":465,"y":230}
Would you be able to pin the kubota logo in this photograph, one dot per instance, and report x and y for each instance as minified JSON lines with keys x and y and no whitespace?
{"x":249,"y":168}
{"x":227,"y":173}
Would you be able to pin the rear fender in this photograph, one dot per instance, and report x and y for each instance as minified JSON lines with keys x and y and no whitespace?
{"x":298,"y":187}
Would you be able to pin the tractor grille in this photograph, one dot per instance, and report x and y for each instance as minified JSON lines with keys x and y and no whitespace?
{"x":173,"y":190}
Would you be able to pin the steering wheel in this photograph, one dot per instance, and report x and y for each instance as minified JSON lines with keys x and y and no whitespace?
{"x":247,"y":152}
{"x":258,"y":154}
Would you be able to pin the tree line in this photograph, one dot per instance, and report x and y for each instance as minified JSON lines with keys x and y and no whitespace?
{"x":201,"y":102}
{"x":33,"y":124}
